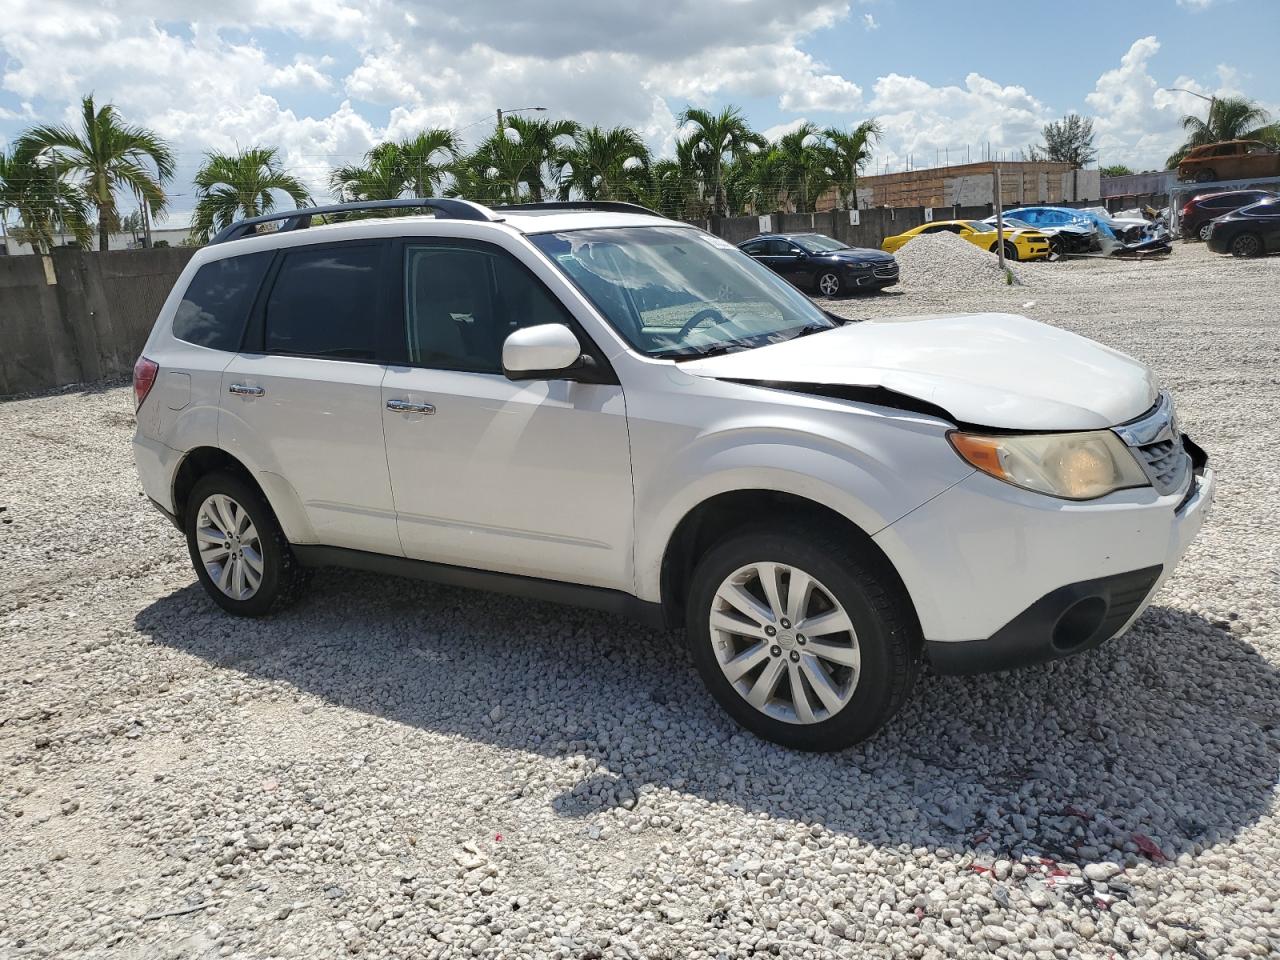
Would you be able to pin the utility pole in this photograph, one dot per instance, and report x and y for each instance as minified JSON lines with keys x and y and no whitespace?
{"x":999,"y":222}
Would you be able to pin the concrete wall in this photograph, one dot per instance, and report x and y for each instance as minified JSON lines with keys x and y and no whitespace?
{"x":78,"y":316}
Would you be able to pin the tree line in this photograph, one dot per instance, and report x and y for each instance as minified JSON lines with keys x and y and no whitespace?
{"x":72,"y":179}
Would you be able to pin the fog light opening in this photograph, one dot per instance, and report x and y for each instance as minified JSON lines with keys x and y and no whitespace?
{"x":1079,"y":623}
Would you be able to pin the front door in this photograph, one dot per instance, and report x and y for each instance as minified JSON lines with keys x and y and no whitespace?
{"x":303,"y":399}
{"x":531,"y":478}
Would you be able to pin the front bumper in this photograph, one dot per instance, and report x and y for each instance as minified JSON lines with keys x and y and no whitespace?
{"x":1001,"y":577}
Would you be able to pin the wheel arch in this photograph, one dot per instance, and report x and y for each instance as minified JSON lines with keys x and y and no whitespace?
{"x":278,"y":493}
{"x":715,"y":517}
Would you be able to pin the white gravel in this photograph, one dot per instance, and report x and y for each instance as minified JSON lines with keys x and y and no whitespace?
{"x":401,"y":770}
{"x":944,"y":262}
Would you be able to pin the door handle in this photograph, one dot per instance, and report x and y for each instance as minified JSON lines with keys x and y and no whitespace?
{"x":240,"y":390}
{"x":406,"y":406}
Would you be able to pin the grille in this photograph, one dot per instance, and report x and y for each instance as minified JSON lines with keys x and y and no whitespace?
{"x":888,"y":270}
{"x":1157,"y":443}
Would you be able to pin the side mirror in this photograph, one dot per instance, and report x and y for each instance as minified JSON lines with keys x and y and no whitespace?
{"x":544,"y":352}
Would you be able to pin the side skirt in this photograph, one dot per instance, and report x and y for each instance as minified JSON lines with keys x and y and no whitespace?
{"x":531,"y":588}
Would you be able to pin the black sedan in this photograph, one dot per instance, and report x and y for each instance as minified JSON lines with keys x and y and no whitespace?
{"x":1248,"y":232}
{"x":827,"y":267}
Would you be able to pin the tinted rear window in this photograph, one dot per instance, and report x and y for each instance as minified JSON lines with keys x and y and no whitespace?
{"x":324,"y":302}
{"x":215,"y":308}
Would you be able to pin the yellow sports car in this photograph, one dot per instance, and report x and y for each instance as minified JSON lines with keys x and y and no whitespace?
{"x":1019,"y":244}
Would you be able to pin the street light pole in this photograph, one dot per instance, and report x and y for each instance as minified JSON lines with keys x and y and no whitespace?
{"x":1212,"y":99}
{"x":502,"y":112}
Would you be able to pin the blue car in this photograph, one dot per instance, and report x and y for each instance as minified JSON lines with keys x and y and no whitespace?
{"x":1079,"y":231}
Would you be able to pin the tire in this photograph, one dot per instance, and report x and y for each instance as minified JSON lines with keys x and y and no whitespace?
{"x":883,"y":646}
{"x":1206,"y":228}
{"x":223,"y":500}
{"x":1057,"y":246}
{"x":1010,"y":252}
{"x":1205,"y":176}
{"x":829,"y":284}
{"x":1246,"y":245}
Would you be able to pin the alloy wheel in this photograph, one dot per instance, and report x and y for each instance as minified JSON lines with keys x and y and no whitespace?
{"x":1205,"y":230}
{"x":785,"y":643}
{"x":1246,"y":245}
{"x":229,"y":546}
{"x":829,"y":284}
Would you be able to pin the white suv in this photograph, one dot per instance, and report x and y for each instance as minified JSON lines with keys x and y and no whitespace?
{"x":591,"y":404}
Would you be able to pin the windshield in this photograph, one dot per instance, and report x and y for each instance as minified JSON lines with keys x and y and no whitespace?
{"x":816,"y":243}
{"x":680,"y":292}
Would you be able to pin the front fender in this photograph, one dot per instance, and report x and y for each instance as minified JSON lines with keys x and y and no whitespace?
{"x":869,"y":464}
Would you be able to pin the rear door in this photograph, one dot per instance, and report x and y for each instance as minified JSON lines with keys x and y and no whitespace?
{"x":784,"y":258}
{"x":302,"y":401}
{"x":531,"y":478}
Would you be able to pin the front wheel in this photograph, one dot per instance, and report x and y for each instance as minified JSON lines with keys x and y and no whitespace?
{"x":801,"y":639}
{"x":1246,"y":245}
{"x":239,"y":552}
{"x":1205,"y":176}
{"x":1205,"y":229}
{"x":829,"y":284}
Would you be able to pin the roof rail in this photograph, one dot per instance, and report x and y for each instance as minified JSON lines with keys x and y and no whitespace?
{"x":300,"y":218}
{"x":607,"y":206}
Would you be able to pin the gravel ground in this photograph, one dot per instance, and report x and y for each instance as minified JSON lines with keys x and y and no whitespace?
{"x":398,"y":769}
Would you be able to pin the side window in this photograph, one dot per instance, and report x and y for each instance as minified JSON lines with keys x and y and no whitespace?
{"x":324,"y":302}
{"x":216,"y":305}
{"x":775,"y":247}
{"x":935,"y":229}
{"x":754,"y":249}
{"x":461,"y":303}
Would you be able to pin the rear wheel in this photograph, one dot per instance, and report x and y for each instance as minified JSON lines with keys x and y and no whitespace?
{"x":1205,"y":175}
{"x":801,"y":639}
{"x":1247,"y":245}
{"x":239,"y":552}
{"x":829,"y":284}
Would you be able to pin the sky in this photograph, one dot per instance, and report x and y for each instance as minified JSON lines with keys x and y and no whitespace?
{"x":324,"y":80}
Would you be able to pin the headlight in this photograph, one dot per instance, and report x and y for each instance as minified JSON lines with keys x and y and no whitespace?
{"x":1075,"y":466}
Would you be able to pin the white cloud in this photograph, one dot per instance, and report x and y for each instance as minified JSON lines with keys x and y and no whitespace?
{"x":1196,"y":4}
{"x":869,"y":22}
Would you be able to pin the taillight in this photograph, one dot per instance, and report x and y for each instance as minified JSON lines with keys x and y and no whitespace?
{"x":144,"y":378}
{"x":1188,"y":207}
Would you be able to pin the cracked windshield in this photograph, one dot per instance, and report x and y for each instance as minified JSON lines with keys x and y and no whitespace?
{"x":676,"y":292}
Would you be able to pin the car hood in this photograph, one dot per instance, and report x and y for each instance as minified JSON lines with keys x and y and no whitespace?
{"x":993,"y":370}
{"x":855,"y":255}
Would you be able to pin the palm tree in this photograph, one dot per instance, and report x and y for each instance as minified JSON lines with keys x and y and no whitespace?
{"x":496,"y":170}
{"x":807,"y":164}
{"x":35,"y":191}
{"x":420,"y":158}
{"x":851,"y":149}
{"x":541,"y":139}
{"x":597,"y":165}
{"x":243,"y":184}
{"x":108,"y":155}
{"x":381,"y":177}
{"x":1230,"y":118}
{"x":715,"y":136}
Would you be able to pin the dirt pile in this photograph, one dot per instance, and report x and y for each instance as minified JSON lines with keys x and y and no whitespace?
{"x":944,"y":261}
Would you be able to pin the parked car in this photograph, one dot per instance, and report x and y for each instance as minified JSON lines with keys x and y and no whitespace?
{"x":1199,"y":210}
{"x":1062,"y":240}
{"x":813,"y":261}
{"x":1248,"y":232}
{"x":1230,"y":160}
{"x":1080,"y":231}
{"x":1018,"y":244}
{"x":591,"y":404}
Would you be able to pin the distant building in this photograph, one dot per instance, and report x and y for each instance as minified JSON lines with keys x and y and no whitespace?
{"x":973,"y":184}
{"x":173,"y":236}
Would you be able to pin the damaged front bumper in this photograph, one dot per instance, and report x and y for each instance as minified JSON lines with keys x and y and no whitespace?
{"x":1002,"y":578}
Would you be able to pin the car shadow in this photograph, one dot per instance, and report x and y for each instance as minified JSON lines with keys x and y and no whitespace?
{"x":1167,"y":734}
